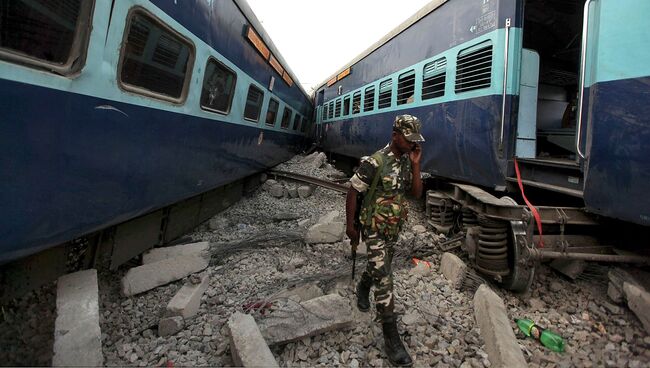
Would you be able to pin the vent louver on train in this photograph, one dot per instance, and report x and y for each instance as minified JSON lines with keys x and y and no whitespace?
{"x":474,"y":68}
{"x":433,"y":79}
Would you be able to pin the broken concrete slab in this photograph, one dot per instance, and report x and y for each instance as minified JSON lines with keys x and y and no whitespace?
{"x":453,"y":268}
{"x":247,"y":346}
{"x":325,"y":233}
{"x":305,"y":191}
{"x":187,"y":300}
{"x":329,"y":217}
{"x":316,"y":316}
{"x":571,"y":268}
{"x":77,"y":335}
{"x":146,"y":277}
{"x":191,"y":249}
{"x":639,"y":302}
{"x":614,"y":293}
{"x":300,"y":293}
{"x":170,"y":325}
{"x":492,"y":318}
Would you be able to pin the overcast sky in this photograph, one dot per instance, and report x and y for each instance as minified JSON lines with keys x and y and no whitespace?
{"x":317,"y":37}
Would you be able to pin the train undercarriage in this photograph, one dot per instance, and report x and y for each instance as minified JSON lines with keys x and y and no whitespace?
{"x":502,"y":240}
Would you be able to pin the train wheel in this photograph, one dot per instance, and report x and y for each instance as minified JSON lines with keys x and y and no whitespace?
{"x":521,"y":271}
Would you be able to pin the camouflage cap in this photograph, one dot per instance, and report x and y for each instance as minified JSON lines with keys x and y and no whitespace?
{"x":410,"y":127}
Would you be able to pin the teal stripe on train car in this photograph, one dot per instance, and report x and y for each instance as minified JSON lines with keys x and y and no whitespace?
{"x":497,"y":40}
{"x":98,"y":77}
{"x":619,"y":41}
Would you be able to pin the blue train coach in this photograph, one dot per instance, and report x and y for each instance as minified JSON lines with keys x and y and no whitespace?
{"x":555,"y":89}
{"x":115,"y":110}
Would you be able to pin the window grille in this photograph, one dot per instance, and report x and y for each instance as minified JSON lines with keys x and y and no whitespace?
{"x":346,"y":106}
{"x":369,"y":99}
{"x":356,"y":103}
{"x":272,"y":112}
{"x":406,"y":88}
{"x":385,"y":93}
{"x":434,"y":78}
{"x":474,"y":68}
{"x":337,"y":111}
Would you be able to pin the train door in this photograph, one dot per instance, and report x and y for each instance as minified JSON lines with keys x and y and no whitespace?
{"x":549,"y":82}
{"x":614,"y":125}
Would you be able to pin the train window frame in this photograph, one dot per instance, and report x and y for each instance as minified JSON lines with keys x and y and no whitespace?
{"x":296,"y":122}
{"x":275,"y":112}
{"x":232,"y":88}
{"x":337,"y":108}
{"x":406,"y":83}
{"x":331,"y":112}
{"x":474,"y":83}
{"x":369,"y":100}
{"x":324,"y":112}
{"x":285,"y":123}
{"x":387,"y":94}
{"x":164,"y":26}
{"x":252,"y":87}
{"x":434,"y":76}
{"x":346,"y":106}
{"x":356,"y":101}
{"x":76,"y":59}
{"x":303,"y":125}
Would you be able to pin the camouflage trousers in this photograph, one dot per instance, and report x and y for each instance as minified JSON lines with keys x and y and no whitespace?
{"x":379,"y":274}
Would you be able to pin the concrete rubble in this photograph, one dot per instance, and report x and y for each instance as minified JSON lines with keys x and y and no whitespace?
{"x":200,"y":249}
{"x":436,"y":319}
{"x":453,"y":268}
{"x":146,"y":277}
{"x":247,"y":346}
{"x":77,"y":335}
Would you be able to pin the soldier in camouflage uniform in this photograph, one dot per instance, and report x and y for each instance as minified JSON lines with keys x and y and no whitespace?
{"x":382,"y":215}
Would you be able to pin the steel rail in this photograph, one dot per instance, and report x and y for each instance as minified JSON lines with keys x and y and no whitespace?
{"x":543,"y":255}
{"x":311,"y":180}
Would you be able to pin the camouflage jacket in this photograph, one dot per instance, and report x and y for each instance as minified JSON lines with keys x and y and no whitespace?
{"x":387,"y":211}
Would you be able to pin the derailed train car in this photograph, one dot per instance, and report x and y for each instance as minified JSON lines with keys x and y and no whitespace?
{"x":551,"y":96}
{"x":134,"y":109}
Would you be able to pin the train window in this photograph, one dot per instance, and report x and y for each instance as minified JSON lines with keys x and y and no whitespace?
{"x":369,"y":99}
{"x":346,"y":106}
{"x":253,"y":103}
{"x":46,"y":35}
{"x":433,"y":79}
{"x":303,"y":126}
{"x":156,"y":61}
{"x":325,"y":111}
{"x":272,"y":112}
{"x":337,"y":112}
{"x":385,"y":93}
{"x":218,"y":87}
{"x":356,"y":103}
{"x":474,"y":68}
{"x":296,"y":122}
{"x":286,"y":118}
{"x":406,"y":88}
{"x":331,"y":114}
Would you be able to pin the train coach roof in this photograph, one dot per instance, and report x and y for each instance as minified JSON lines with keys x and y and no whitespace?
{"x":431,"y":6}
{"x":252,"y":18}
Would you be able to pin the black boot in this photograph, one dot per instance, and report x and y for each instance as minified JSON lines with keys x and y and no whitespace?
{"x":363,"y":293}
{"x":397,"y":354}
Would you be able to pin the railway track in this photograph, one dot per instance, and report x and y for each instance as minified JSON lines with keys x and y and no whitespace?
{"x":311,"y":180}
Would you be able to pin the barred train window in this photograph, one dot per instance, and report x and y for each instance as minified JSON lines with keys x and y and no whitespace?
{"x":406,"y":88}
{"x":385,"y":93}
{"x":52,"y":35}
{"x":338,"y":108}
{"x":331,"y":114}
{"x":369,"y":99}
{"x":474,"y":68}
{"x":155,"y":60}
{"x":324,"y":115}
{"x":296,"y":122}
{"x":434,"y":78}
{"x":346,"y":106}
{"x":272,"y":112}
{"x":218,"y":87}
{"x":356,"y":103}
{"x":253,"y":103}
{"x":286,"y":118}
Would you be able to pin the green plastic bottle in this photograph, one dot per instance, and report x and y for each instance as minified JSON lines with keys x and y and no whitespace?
{"x":547,"y":338}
